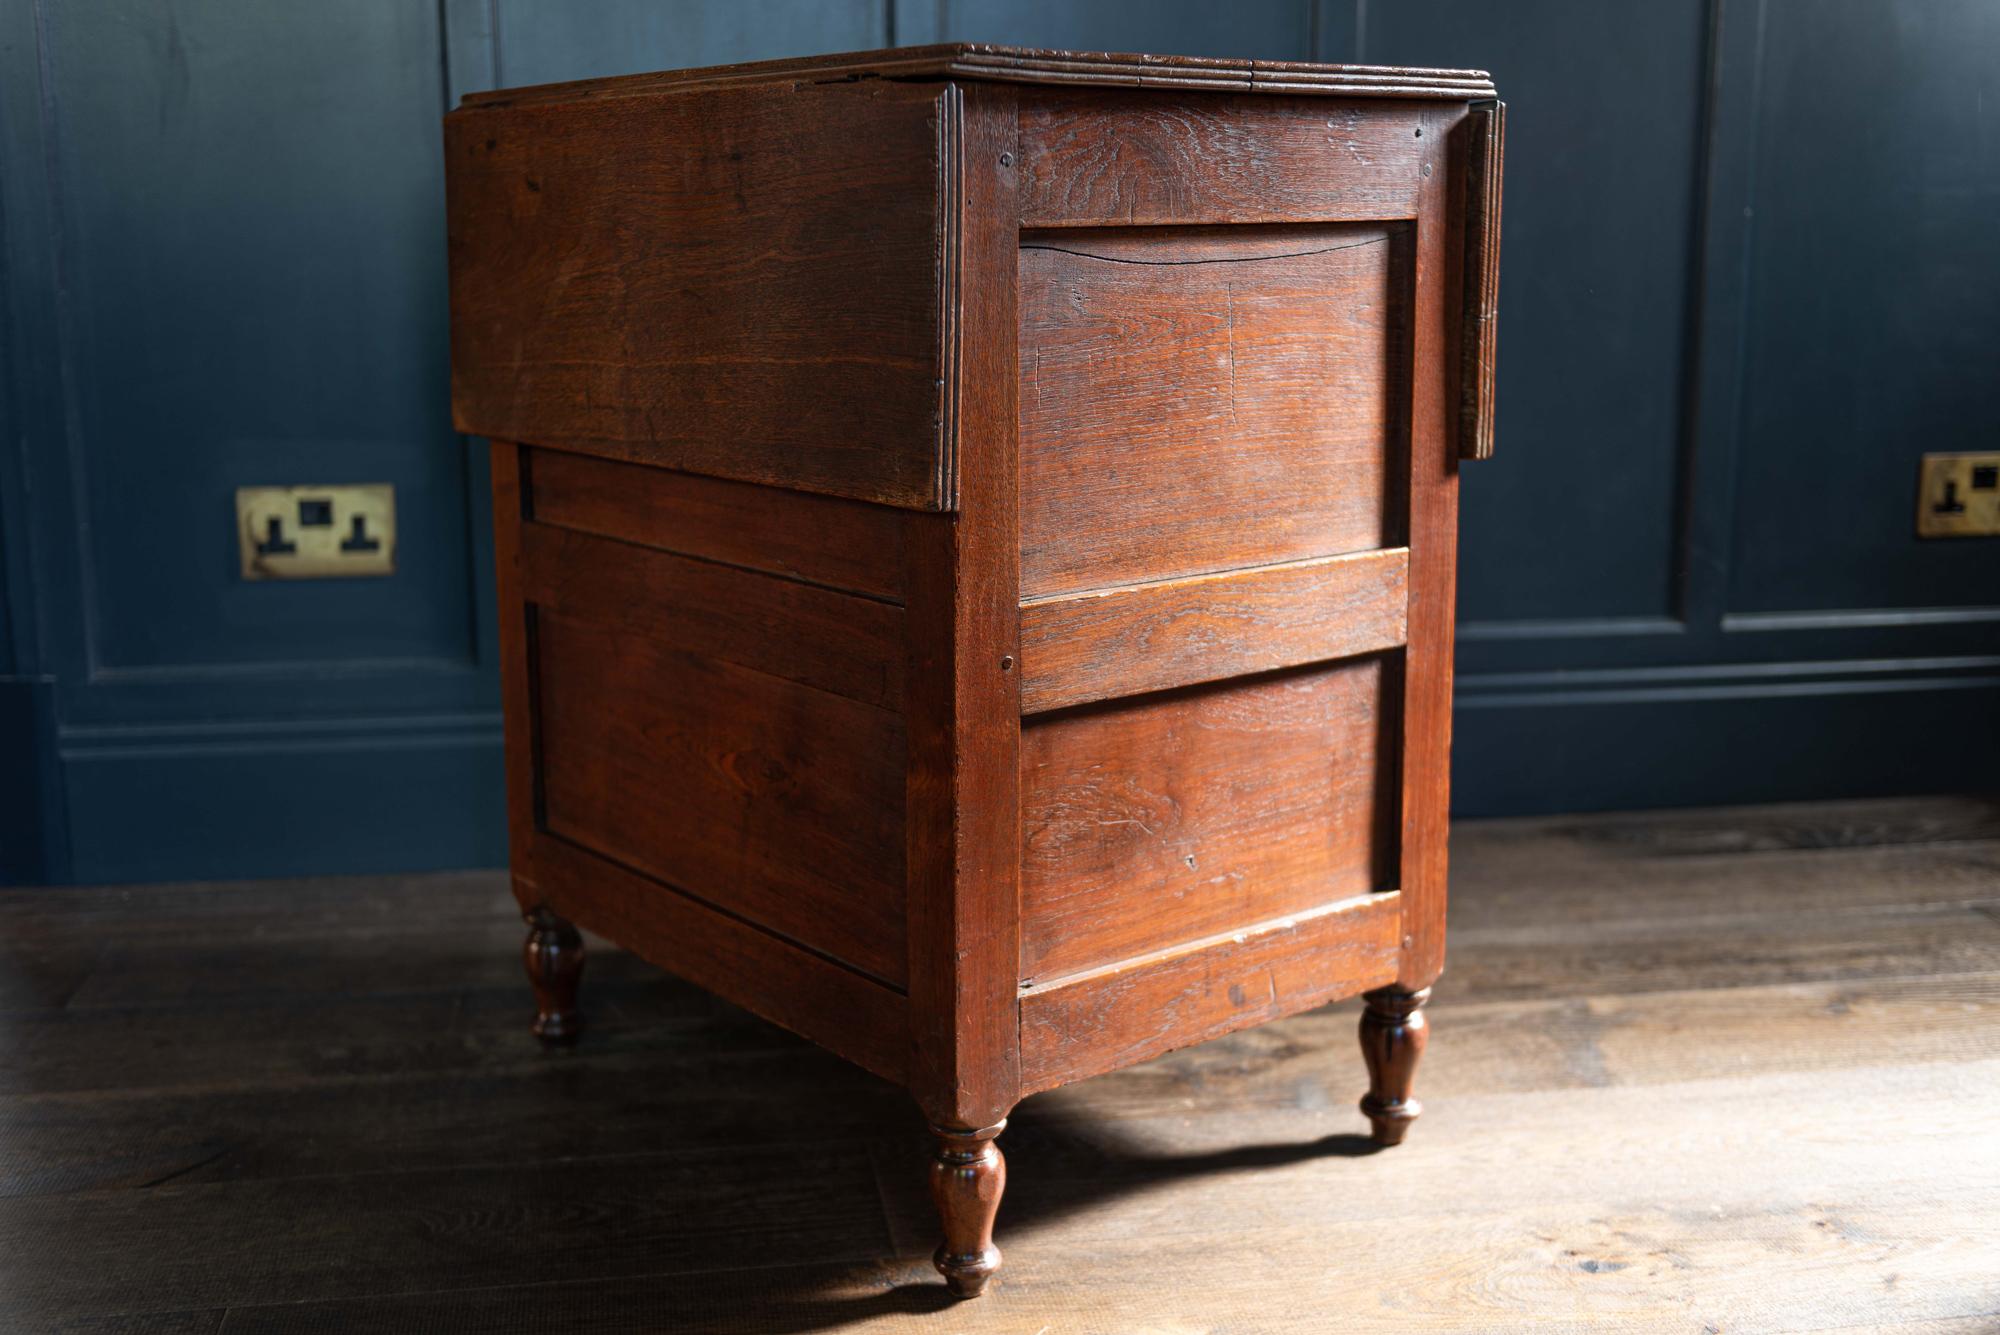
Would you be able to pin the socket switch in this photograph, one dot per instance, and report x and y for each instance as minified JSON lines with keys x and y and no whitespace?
{"x":316,"y":532}
{"x":1958,"y":496}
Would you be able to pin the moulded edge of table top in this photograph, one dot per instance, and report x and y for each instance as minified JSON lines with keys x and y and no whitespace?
{"x":1011,"y":64}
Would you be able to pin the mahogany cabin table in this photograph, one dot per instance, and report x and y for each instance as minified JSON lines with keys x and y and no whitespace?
{"x":976,"y":533}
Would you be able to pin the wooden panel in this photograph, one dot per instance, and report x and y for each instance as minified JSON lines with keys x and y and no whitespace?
{"x":849,"y":646}
{"x":1151,"y":637}
{"x":1205,"y":399}
{"x":1171,"y":818}
{"x":1112,"y":1017}
{"x":820,"y":539}
{"x":1484,"y":131}
{"x":740,"y":282}
{"x":1433,"y":491}
{"x":1123,"y":159}
{"x":965,"y":705}
{"x":837,"y":1008}
{"x":780,"y":804}
{"x":512,"y":618}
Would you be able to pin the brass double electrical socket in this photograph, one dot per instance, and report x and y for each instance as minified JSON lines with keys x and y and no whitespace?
{"x":316,"y":532}
{"x":1958,"y":496}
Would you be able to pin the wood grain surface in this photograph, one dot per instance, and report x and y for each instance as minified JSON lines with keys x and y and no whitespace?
{"x":1105,"y":160}
{"x":818,"y":539}
{"x":1096,"y":1021}
{"x":963,"y":789}
{"x":1483,"y":151}
{"x":737,"y":282}
{"x":770,"y":800}
{"x":1135,"y":638}
{"x":832,"y":642}
{"x":1172,"y":817}
{"x":1206,"y":399}
{"x":807,"y":992}
{"x":288,"y":1108}
{"x":1432,"y":461}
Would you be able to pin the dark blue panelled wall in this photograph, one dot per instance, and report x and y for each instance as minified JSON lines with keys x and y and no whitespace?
{"x":1751,"y":272}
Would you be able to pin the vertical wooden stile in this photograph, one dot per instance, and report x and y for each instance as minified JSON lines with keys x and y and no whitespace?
{"x":1433,"y":542}
{"x":964,"y":689}
{"x":510,"y":491}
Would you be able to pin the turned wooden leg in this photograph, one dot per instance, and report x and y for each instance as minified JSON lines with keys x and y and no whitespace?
{"x":967,"y":1177}
{"x":554,"y":956}
{"x":1393,"y":1034}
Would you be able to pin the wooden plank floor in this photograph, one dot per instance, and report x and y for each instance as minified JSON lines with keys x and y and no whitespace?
{"x":1709,"y":1071}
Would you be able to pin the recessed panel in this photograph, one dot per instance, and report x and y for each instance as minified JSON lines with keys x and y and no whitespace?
{"x":1201,"y":399}
{"x":1172,"y":817}
{"x":776,"y":802}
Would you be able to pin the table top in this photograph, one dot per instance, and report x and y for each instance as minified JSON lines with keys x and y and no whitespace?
{"x":1012,"y":64}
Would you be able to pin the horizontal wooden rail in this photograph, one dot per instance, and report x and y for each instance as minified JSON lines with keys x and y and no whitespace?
{"x":1123,"y":1013}
{"x":819,"y":539}
{"x":757,"y":621}
{"x":837,"y":1008}
{"x":1122,"y":641}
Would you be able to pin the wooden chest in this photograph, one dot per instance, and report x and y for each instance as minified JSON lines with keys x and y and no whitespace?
{"x":976,"y":538}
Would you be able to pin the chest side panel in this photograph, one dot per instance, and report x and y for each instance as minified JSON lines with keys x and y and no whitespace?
{"x":709,"y":710}
{"x":1228,"y":407}
{"x":1214,"y":451}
